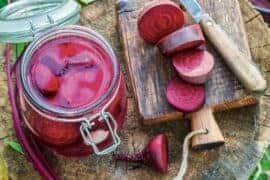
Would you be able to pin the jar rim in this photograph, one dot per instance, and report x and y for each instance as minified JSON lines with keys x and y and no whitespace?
{"x":53,"y":33}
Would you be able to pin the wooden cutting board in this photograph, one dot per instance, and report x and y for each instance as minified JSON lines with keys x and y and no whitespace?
{"x":150,"y":71}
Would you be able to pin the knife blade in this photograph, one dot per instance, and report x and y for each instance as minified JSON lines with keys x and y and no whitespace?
{"x":241,"y":64}
{"x":194,"y":9}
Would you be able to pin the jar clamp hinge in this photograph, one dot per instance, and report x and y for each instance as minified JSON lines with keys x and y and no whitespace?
{"x":87,"y":125}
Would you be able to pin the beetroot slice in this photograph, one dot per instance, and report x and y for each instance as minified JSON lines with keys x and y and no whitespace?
{"x":45,"y":80}
{"x":82,"y":59}
{"x":158,"y":19}
{"x":76,"y":89}
{"x":185,"y":96}
{"x":194,"y":66}
{"x":185,"y":38}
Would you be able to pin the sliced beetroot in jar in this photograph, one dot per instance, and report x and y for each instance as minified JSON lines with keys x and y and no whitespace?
{"x":54,"y":66}
{"x":194,"y":66}
{"x":68,"y":96}
{"x":158,"y":19}
{"x":184,"y":96}
{"x":45,"y":80}
{"x":82,"y":59}
{"x":186,"y":38}
{"x":75,"y":89}
{"x":68,"y":49}
{"x":88,"y":76}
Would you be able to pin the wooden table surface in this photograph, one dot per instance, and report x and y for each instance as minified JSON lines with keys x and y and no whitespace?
{"x":246,"y":130}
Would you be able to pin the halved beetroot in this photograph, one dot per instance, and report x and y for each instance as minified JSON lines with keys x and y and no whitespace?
{"x":155,"y":154}
{"x":158,"y":19}
{"x":45,"y":80}
{"x":183,"y":39}
{"x":184,"y":96}
{"x":194,"y":66}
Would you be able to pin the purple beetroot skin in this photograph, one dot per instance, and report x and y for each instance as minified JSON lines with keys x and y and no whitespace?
{"x":263,"y":6}
{"x":261,"y":3}
{"x":194,"y":66}
{"x":188,"y":37}
{"x":184,"y":96}
{"x":154,"y":155}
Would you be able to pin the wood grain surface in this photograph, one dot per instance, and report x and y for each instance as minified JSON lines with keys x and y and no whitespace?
{"x":204,"y":118}
{"x":150,"y":71}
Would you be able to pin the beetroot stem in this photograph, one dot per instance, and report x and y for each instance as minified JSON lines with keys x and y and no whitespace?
{"x":137,"y":157}
{"x":33,"y":154}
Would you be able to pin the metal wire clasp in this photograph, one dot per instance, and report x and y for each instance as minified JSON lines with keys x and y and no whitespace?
{"x":87,"y":125}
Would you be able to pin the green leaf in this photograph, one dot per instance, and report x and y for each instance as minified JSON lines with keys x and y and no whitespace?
{"x":87,"y":1}
{"x":17,"y":50}
{"x":20,"y":48}
{"x":262,"y":168}
{"x":14,"y":145}
{"x":3,"y":170}
{"x":3,"y":3}
{"x":265,"y":164}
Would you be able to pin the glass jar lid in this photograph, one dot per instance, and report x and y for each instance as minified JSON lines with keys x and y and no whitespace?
{"x":21,"y":21}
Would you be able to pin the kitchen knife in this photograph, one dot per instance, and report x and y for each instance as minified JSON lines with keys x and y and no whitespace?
{"x":241,"y":64}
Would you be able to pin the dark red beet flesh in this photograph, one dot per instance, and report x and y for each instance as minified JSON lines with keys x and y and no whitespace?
{"x":194,"y":66}
{"x":154,"y":155}
{"x":158,"y":19}
{"x":30,"y":148}
{"x":186,"y":38}
{"x":184,"y":96}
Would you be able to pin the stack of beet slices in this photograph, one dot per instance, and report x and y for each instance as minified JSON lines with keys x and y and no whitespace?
{"x":161,"y":23}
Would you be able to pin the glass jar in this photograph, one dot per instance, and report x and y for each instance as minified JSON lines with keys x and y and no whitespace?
{"x":77,"y":131}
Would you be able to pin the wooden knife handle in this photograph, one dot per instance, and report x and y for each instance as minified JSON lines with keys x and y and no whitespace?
{"x":204,"y":119}
{"x":241,"y":65}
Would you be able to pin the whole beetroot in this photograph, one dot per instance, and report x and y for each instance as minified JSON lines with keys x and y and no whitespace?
{"x":155,"y":154}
